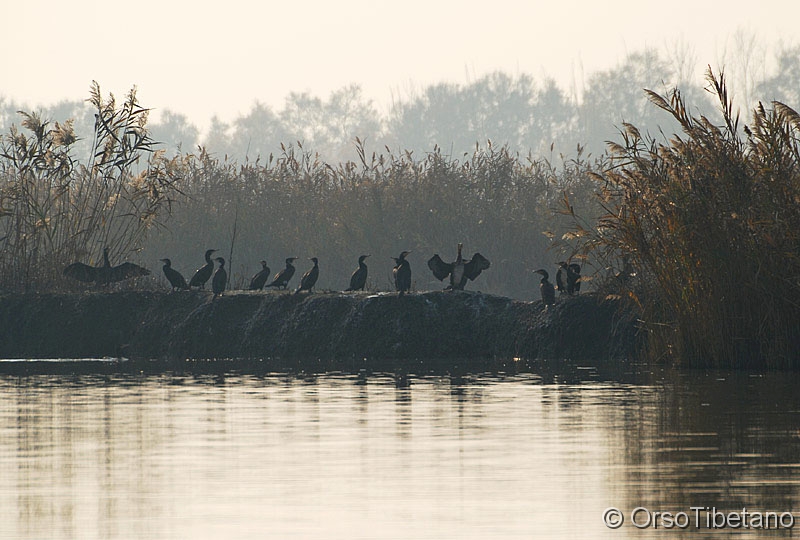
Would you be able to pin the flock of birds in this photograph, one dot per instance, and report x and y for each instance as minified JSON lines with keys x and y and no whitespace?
{"x":568,"y":280}
{"x":568,"y":276}
{"x":459,"y":272}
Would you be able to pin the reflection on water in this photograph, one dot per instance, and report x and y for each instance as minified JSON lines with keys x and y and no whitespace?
{"x":338,"y":456}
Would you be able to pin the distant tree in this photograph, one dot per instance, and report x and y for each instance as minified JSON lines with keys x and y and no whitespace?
{"x":784,"y":84}
{"x":554,"y":118}
{"x":743,"y":59}
{"x":496,"y":107}
{"x":330,"y":127}
{"x":617,"y":96}
{"x":175,"y":133}
{"x":218,"y":138}
{"x":256,"y":135}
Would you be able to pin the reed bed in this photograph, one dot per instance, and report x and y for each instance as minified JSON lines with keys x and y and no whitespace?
{"x":295,"y":204}
{"x":130,"y":197}
{"x":708,"y":220}
{"x":699,"y":230}
{"x":55,"y":210}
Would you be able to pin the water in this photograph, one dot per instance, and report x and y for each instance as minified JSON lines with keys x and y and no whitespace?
{"x":126,"y":455}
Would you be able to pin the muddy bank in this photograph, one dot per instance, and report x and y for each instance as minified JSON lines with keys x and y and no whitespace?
{"x":335,"y":329}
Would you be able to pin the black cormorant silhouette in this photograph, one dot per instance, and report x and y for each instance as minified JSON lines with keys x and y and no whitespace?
{"x":627,"y":273}
{"x":220,"y":278}
{"x":402,"y":273}
{"x":106,"y":273}
{"x":258,"y":281}
{"x":204,"y":272}
{"x":309,"y":279}
{"x":574,"y":278}
{"x":359,"y":277}
{"x":546,"y":288}
{"x":282,"y":278}
{"x":173,"y":276}
{"x":572,"y":273}
{"x":560,"y":286}
{"x":458,"y":270}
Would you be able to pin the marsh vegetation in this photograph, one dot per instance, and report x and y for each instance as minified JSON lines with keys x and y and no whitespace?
{"x":699,"y":227}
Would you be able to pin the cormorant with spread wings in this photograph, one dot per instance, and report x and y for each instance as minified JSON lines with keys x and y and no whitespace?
{"x":105,"y":273}
{"x":459,"y":270}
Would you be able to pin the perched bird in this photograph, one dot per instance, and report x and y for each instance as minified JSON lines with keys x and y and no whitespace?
{"x":560,"y":286}
{"x":458,"y":270}
{"x":204,"y":272}
{"x":574,"y":278}
{"x":359,"y":277}
{"x":106,"y":273}
{"x":546,"y":288}
{"x":402,"y":273}
{"x":173,"y":276}
{"x":258,"y":281}
{"x":309,"y":279}
{"x":627,"y":273}
{"x":220,"y":278}
{"x":282,"y":278}
{"x":572,"y":273}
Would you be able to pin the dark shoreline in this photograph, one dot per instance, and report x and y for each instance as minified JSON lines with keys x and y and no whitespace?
{"x":321,"y":331}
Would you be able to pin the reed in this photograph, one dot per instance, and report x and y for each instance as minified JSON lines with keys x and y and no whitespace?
{"x":709,"y":219}
{"x":55,"y":210}
{"x":295,"y":204}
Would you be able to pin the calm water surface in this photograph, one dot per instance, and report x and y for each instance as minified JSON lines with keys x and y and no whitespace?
{"x":335,"y":456}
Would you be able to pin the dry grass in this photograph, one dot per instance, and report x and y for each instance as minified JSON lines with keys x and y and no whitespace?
{"x":54,"y":210}
{"x":710,"y":221}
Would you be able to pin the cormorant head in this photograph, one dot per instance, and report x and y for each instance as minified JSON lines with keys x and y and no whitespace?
{"x":314,"y":260}
{"x":403,"y":255}
{"x":543,"y":272}
{"x":167,"y":262}
{"x":361,"y":259}
{"x":290,"y":260}
{"x":221,"y":261}
{"x":562,"y":264}
{"x":263,"y":264}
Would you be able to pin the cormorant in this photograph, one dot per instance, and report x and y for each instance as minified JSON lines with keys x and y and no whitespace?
{"x":627,"y":273}
{"x":106,"y":273}
{"x":560,"y":287}
{"x":546,"y":288}
{"x":459,"y":270}
{"x":220,"y":278}
{"x":257,"y":282}
{"x":572,"y":272}
{"x":402,"y":273}
{"x":173,"y":276}
{"x":204,"y":272}
{"x":309,"y":279}
{"x":575,"y":276}
{"x":282,"y":278}
{"x":359,"y":277}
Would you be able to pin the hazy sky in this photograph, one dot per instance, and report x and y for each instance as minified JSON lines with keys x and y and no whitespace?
{"x":203,"y":58}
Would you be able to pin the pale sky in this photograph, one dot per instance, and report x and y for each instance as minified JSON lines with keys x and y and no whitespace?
{"x":203,"y":58}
